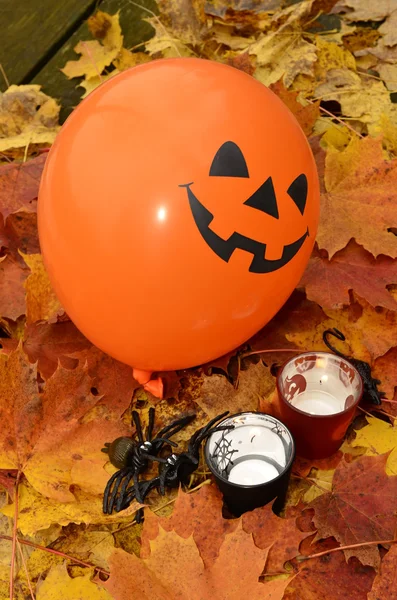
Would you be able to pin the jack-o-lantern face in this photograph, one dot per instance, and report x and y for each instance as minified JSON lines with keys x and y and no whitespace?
{"x":229,"y":161}
{"x":178,"y":209}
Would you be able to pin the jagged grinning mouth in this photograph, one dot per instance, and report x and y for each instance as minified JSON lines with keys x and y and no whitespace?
{"x":225,"y":248}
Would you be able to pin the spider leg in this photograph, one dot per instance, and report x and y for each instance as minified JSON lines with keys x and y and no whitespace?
{"x":137,"y":421}
{"x":114,"y":481}
{"x":123,"y":491}
{"x":151,"y":424}
{"x":175,"y":426}
{"x":165,"y":441}
{"x":138,"y":495}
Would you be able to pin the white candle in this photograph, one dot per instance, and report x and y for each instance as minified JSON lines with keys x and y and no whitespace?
{"x":318,"y":402}
{"x":252,"y":472}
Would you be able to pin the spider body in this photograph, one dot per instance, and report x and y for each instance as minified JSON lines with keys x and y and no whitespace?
{"x":132,"y":455}
{"x":370,"y":385}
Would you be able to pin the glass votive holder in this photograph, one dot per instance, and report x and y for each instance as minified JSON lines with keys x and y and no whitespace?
{"x":318,"y":395}
{"x":251,"y":463}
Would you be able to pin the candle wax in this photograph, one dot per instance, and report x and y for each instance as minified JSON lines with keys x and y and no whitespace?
{"x":318,"y":402}
{"x":252,"y":472}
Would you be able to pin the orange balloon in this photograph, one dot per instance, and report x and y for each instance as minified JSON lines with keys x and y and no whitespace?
{"x":177,"y":211}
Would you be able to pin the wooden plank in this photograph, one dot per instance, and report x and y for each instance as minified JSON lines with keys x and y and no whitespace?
{"x":31,"y":30}
{"x":134,"y":29}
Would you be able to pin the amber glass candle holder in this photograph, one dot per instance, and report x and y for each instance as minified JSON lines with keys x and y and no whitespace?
{"x":318,"y":395}
{"x":251,"y":462}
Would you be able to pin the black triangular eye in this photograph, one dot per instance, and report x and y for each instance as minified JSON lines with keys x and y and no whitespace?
{"x":229,"y":162}
{"x":264,"y":199}
{"x":298,"y":191}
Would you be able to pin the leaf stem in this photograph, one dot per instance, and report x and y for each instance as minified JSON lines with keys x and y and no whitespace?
{"x":26,"y":570}
{"x":57,"y":552}
{"x":14,"y":536}
{"x":349,"y":547}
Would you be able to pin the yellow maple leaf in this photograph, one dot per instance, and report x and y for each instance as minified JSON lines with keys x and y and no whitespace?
{"x":95,"y":56}
{"x":58,"y":585}
{"x":41,"y":301}
{"x":37,"y":512}
{"x":379,"y":437}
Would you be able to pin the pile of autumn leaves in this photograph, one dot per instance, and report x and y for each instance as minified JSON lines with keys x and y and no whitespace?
{"x":61,"y":398}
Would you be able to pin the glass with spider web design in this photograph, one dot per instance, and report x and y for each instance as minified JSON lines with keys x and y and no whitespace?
{"x":251,"y":463}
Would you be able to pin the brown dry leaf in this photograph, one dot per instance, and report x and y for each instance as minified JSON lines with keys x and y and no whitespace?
{"x":197,"y":514}
{"x":47,"y":344}
{"x":365,"y":10}
{"x":95,"y":56}
{"x":12,"y":291}
{"x":385,"y":582}
{"x":360,"y":508}
{"x":284,"y":54}
{"x":360,"y":200}
{"x":389,"y":28}
{"x":184,"y":19}
{"x":306,"y":114}
{"x":330,"y":577}
{"x":20,"y":233}
{"x":58,"y":585}
{"x":127,"y":59}
{"x":353,"y":268}
{"x":27,"y":116}
{"x":50,"y":435}
{"x":41,"y":301}
{"x":111,"y":379}
{"x":234,"y":574}
{"x":36,"y":512}
{"x":19,"y":185}
{"x":217,"y":394}
{"x":247,"y":8}
{"x":385,"y":369}
{"x":282,"y":535}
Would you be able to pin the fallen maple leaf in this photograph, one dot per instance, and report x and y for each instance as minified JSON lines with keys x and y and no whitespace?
{"x":282,"y":535}
{"x":217,"y":394}
{"x":285,"y":54}
{"x":360,"y":508}
{"x":330,"y":577}
{"x":183,"y":19}
{"x":50,"y":436}
{"x":41,"y":301}
{"x":198,"y":514}
{"x":95,"y":56}
{"x":328,"y":281}
{"x":58,"y":585}
{"x":360,"y":200}
{"x":379,"y":437}
{"x":110,"y":378}
{"x":306,"y":115}
{"x":37,"y":513}
{"x":12,"y":291}
{"x":27,"y":116}
{"x":47,"y":343}
{"x":19,"y":185}
{"x":175,"y":571}
{"x":365,"y":10}
{"x":384,"y":585}
{"x":385,"y":369}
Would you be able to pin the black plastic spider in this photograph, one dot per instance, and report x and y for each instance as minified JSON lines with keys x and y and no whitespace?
{"x":179,"y":467}
{"x":174,"y":470}
{"x":370,"y":385}
{"x":132,"y":456}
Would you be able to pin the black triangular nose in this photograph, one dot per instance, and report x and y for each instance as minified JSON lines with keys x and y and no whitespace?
{"x":264,"y":199}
